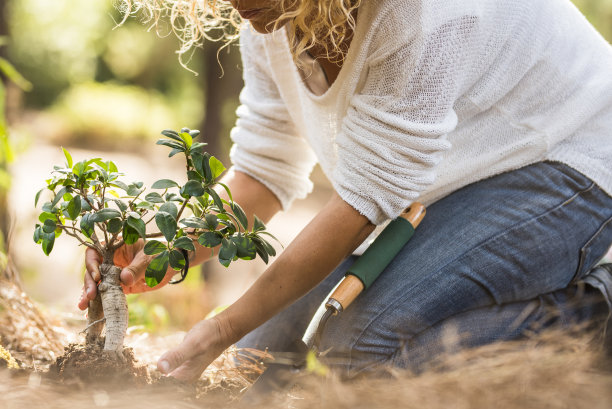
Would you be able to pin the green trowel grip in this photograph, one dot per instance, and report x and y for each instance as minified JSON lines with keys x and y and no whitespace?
{"x":380,"y":253}
{"x":386,"y":246}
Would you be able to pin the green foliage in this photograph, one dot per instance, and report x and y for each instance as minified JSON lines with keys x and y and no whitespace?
{"x":78,"y":205}
{"x":599,"y":13}
{"x":6,"y":152}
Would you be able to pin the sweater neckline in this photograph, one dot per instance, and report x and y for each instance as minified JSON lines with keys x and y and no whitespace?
{"x":347,"y":66}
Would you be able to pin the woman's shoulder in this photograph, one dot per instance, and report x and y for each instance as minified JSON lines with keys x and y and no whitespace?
{"x":401,"y":21}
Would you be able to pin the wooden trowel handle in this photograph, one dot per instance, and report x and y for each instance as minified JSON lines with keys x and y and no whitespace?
{"x":374,"y":260}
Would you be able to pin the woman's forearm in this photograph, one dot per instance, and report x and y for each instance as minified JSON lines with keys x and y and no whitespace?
{"x":330,"y":237}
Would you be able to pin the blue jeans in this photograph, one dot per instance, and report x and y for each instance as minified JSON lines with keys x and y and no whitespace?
{"x":508,"y":254}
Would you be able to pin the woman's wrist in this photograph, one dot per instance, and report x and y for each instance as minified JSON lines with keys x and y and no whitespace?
{"x":228,"y":334}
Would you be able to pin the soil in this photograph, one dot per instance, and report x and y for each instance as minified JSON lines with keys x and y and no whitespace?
{"x":87,"y":365}
{"x":91,"y":364}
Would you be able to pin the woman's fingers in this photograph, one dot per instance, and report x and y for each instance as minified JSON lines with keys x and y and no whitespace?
{"x":135,"y":271}
{"x":92,"y":264}
{"x":92,"y":276}
{"x":180,"y":355}
{"x":201,"y":346}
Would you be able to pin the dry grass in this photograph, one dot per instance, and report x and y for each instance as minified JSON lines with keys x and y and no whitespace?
{"x":551,"y":370}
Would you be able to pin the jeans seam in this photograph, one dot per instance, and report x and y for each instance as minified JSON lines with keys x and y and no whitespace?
{"x":584,"y":250}
{"x":479,"y":245}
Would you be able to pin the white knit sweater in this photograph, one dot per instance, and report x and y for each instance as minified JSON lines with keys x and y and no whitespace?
{"x":433,"y":95}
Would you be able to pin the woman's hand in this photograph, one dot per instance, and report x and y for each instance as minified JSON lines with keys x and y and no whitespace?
{"x":200,"y":347}
{"x":133,"y":262}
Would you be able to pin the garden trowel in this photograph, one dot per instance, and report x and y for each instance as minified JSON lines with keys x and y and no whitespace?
{"x":283,"y":366}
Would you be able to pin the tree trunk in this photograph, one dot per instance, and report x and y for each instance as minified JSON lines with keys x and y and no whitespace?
{"x":222,"y":84}
{"x":108,"y":308}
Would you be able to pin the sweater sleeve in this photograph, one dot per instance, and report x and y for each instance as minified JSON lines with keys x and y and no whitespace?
{"x":266,"y":144}
{"x":394,"y":133}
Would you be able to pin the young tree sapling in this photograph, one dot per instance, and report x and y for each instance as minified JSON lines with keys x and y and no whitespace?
{"x":89,"y":203}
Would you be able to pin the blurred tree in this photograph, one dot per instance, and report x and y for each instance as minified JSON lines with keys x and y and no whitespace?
{"x":222,"y":82}
{"x":74,"y":49}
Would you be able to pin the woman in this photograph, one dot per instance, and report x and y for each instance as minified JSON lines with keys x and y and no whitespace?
{"x":496,"y":114}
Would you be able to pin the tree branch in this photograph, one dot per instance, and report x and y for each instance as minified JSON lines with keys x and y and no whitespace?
{"x":76,"y":236}
{"x":178,"y":216}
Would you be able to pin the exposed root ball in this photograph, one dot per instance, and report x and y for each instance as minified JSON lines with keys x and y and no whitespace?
{"x":92,"y":365}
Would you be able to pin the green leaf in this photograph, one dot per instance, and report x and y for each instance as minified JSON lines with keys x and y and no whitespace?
{"x":130,"y":235}
{"x":171,"y":134}
{"x":154,"y":247}
{"x":74,"y":208}
{"x":177,"y":260}
{"x":210,"y":239}
{"x":227,"y":189}
{"x":156,"y":270}
{"x":268,"y":247}
{"x":154,"y":197}
{"x":193,"y":175}
{"x":215,"y":197}
{"x":49,"y":226}
{"x":194,"y":133}
{"x":112,"y":168}
{"x":84,"y":205}
{"x":187,"y":138}
{"x":105,"y":214}
{"x":212,"y":221}
{"x":171,"y":144}
{"x":38,"y":196}
{"x":194,"y":222}
{"x":184,"y":243}
{"x":196,"y":147}
{"x":245,"y":247}
{"x":38,"y":232}
{"x":48,"y":208}
{"x":269,"y":235}
{"x":164,"y":184}
{"x":175,"y":152}
{"x":227,"y":252}
{"x":79,"y":168}
{"x":46,"y":215}
{"x":145,"y":205}
{"x":114,"y":226}
{"x":68,"y":158}
{"x":194,"y":188}
{"x":120,"y":185}
{"x":240,"y":215}
{"x":261,"y":251}
{"x":138,"y":225}
{"x":169,"y":208}
{"x":135,"y":215}
{"x":216,"y":167}
{"x":87,"y":225}
{"x":48,"y":239}
{"x":58,"y":196}
{"x":166,"y":224}
{"x":134,"y":189}
{"x":121,"y":204}
{"x":258,"y":225}
{"x":173,"y":197}
{"x":200,"y":162}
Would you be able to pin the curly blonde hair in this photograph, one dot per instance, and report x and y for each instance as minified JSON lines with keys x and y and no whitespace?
{"x":325,"y":24}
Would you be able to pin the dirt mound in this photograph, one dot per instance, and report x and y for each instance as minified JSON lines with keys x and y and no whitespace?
{"x":90,"y":364}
